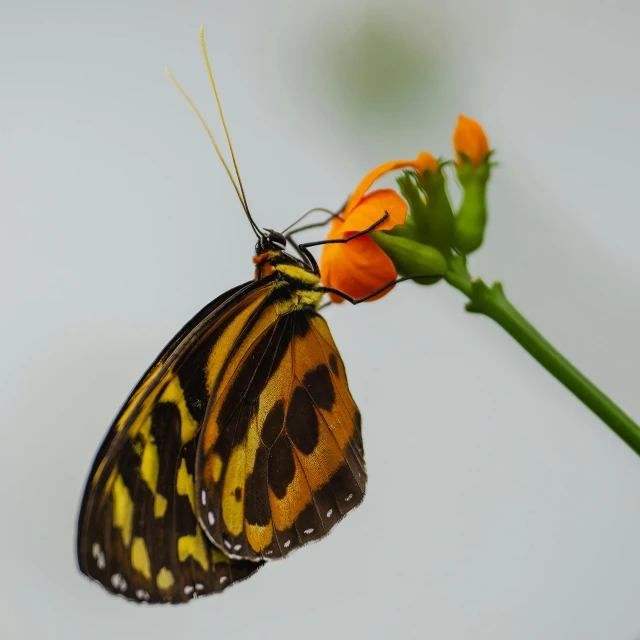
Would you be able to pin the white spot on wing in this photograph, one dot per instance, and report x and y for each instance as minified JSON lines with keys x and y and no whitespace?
{"x":98,"y":554}
{"x":211,"y":517}
{"x":141,"y":594}
{"x":203,"y":497}
{"x":287,"y":543}
{"x":115,"y":580}
{"x":308,"y":531}
{"x":329,"y":513}
{"x":199,"y":586}
{"x":237,"y":547}
{"x":348,"y":497}
{"x":188,"y":590}
{"x":223,"y":579}
{"x":227,"y":544}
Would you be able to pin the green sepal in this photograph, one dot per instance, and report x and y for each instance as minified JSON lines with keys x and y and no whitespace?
{"x":411,"y":257}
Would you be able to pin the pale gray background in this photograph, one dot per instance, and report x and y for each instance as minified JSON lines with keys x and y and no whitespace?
{"x":498,"y":506}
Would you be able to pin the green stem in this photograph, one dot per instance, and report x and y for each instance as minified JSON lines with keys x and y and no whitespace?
{"x":492,"y":302}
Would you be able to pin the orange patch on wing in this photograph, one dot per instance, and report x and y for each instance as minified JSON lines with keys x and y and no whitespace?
{"x":284,"y":512}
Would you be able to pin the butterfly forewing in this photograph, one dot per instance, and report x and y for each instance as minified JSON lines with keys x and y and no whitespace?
{"x":280,"y":458}
{"x":138,"y":533}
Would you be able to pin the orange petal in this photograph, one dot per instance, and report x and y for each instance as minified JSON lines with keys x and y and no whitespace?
{"x":372,"y":176}
{"x":426,"y":161}
{"x":358,"y":268}
{"x":470,"y":139}
{"x":371,"y":208}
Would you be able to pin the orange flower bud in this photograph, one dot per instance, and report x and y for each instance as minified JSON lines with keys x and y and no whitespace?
{"x":470,"y":140}
{"x":360,"y":267}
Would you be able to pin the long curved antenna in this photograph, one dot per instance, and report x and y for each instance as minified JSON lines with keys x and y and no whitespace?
{"x":239,"y":190}
{"x":224,"y":122}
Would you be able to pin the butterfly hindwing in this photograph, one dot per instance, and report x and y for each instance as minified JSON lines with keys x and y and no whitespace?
{"x":280,"y":459}
{"x":138,"y":533}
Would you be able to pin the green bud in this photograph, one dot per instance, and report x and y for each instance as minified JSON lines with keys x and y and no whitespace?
{"x":411,"y":257}
{"x":417,"y":206}
{"x":471,"y":219}
{"x":430,"y":218}
{"x":436,"y":225}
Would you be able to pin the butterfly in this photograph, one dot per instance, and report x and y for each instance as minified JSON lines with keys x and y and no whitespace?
{"x":240,"y":443}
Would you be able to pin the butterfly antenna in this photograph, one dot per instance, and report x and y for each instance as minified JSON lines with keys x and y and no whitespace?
{"x":226,"y":129}
{"x":240,"y":193}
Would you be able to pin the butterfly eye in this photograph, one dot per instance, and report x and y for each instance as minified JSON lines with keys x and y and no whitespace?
{"x":277,"y":238}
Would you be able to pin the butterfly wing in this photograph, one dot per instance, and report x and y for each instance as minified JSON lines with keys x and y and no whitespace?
{"x":280,"y":458}
{"x":138,"y":534}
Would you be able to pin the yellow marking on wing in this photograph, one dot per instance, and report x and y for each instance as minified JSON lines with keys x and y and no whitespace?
{"x":217,"y":556}
{"x":173,"y":393}
{"x":122,"y":509}
{"x":259,"y":537}
{"x":138,"y":448}
{"x":285,"y":511}
{"x":195,"y":547}
{"x":298,"y":273}
{"x":159,"y":505}
{"x":165,"y":579}
{"x":140,"y":558}
{"x":232,"y":509}
{"x":216,"y":469}
{"x":185,"y":486}
{"x":149,"y":466}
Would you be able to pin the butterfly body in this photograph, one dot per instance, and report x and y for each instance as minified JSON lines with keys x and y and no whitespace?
{"x":241,"y":443}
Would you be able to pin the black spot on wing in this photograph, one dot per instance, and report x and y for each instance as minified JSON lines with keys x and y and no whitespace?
{"x":333,"y":363}
{"x":282,"y":466}
{"x":302,"y":421}
{"x":273,"y":424}
{"x":257,"y":508}
{"x":318,"y":384}
{"x":165,"y":425}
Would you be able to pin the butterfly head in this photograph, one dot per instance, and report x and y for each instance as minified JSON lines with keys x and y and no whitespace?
{"x":270,"y":249}
{"x":272,"y":241}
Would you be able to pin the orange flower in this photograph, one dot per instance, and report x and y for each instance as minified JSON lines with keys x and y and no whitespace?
{"x":470,"y":139}
{"x":360,"y":267}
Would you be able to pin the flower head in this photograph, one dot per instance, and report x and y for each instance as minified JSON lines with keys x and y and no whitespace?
{"x":360,"y":266}
{"x":470,"y":141}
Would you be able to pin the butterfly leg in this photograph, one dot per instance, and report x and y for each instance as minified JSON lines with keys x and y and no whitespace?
{"x":353,"y":300}
{"x":303,"y":249}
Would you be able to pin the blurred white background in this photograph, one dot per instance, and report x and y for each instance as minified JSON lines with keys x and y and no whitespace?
{"x":498,"y":506}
